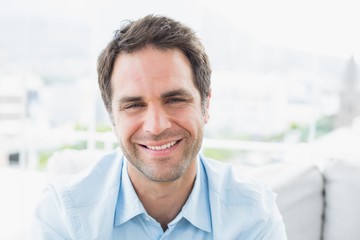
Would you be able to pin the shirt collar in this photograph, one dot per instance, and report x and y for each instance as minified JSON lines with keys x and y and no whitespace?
{"x":128,"y":204}
{"x":197,"y":208}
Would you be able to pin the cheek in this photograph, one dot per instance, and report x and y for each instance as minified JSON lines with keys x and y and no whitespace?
{"x":125,"y":127}
{"x":191,"y":121}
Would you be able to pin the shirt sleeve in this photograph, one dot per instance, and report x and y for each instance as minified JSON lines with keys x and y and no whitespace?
{"x":274,"y":228}
{"x":49,"y":220}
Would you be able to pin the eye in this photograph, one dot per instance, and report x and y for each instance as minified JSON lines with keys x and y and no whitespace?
{"x":133,"y":106}
{"x":175,"y":100}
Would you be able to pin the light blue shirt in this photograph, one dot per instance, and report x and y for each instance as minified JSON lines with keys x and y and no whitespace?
{"x":101,"y":203}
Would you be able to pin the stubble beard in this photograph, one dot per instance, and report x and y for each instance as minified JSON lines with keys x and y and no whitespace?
{"x":152,"y":171}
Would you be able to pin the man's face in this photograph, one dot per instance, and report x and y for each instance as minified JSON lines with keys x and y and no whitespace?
{"x":157,"y":112}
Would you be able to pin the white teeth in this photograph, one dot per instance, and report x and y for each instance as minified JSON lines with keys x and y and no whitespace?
{"x":165,"y":146}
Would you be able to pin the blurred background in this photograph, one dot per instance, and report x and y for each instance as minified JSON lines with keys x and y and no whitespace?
{"x":285,"y":82}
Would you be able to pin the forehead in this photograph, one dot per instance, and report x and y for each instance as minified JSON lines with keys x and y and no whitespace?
{"x":151,"y":71}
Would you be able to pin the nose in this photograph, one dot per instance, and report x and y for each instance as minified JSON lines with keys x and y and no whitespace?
{"x":156,"y":120}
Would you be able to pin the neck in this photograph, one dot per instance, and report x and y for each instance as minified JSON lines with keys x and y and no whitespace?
{"x":163,"y":200}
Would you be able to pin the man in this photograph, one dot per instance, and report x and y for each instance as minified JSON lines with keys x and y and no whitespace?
{"x":154,"y":78}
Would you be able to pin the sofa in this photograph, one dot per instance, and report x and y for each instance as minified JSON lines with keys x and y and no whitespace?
{"x":317,"y":199}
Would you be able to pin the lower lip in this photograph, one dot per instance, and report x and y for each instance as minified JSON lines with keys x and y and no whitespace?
{"x":162,"y":153}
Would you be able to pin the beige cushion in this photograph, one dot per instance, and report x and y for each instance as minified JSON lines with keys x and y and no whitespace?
{"x":71,"y":161}
{"x":342,"y":199}
{"x":300,"y":195}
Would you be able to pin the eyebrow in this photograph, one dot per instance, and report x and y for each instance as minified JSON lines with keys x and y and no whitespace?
{"x":129,"y":99}
{"x":172,"y":93}
{"x":177,"y":92}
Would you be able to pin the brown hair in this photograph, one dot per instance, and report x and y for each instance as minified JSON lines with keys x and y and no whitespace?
{"x":162,"y":33}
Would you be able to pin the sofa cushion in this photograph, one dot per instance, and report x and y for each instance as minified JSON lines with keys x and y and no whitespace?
{"x":70,"y":161}
{"x":342,"y":200}
{"x":299,"y":187}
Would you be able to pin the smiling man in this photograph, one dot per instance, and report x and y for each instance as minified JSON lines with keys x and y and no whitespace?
{"x":154,"y":77}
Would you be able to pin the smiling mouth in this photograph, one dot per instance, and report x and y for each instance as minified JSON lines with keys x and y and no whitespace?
{"x":162,"y":147}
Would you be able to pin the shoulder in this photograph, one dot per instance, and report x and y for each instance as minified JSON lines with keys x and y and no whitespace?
{"x":90,"y":185}
{"x":241,"y":200}
{"x":232,"y":194}
{"x":226,"y":183}
{"x":76,"y":206}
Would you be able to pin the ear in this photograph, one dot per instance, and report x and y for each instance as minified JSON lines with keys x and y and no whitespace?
{"x":206,"y":113}
{"x":112,"y":121}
